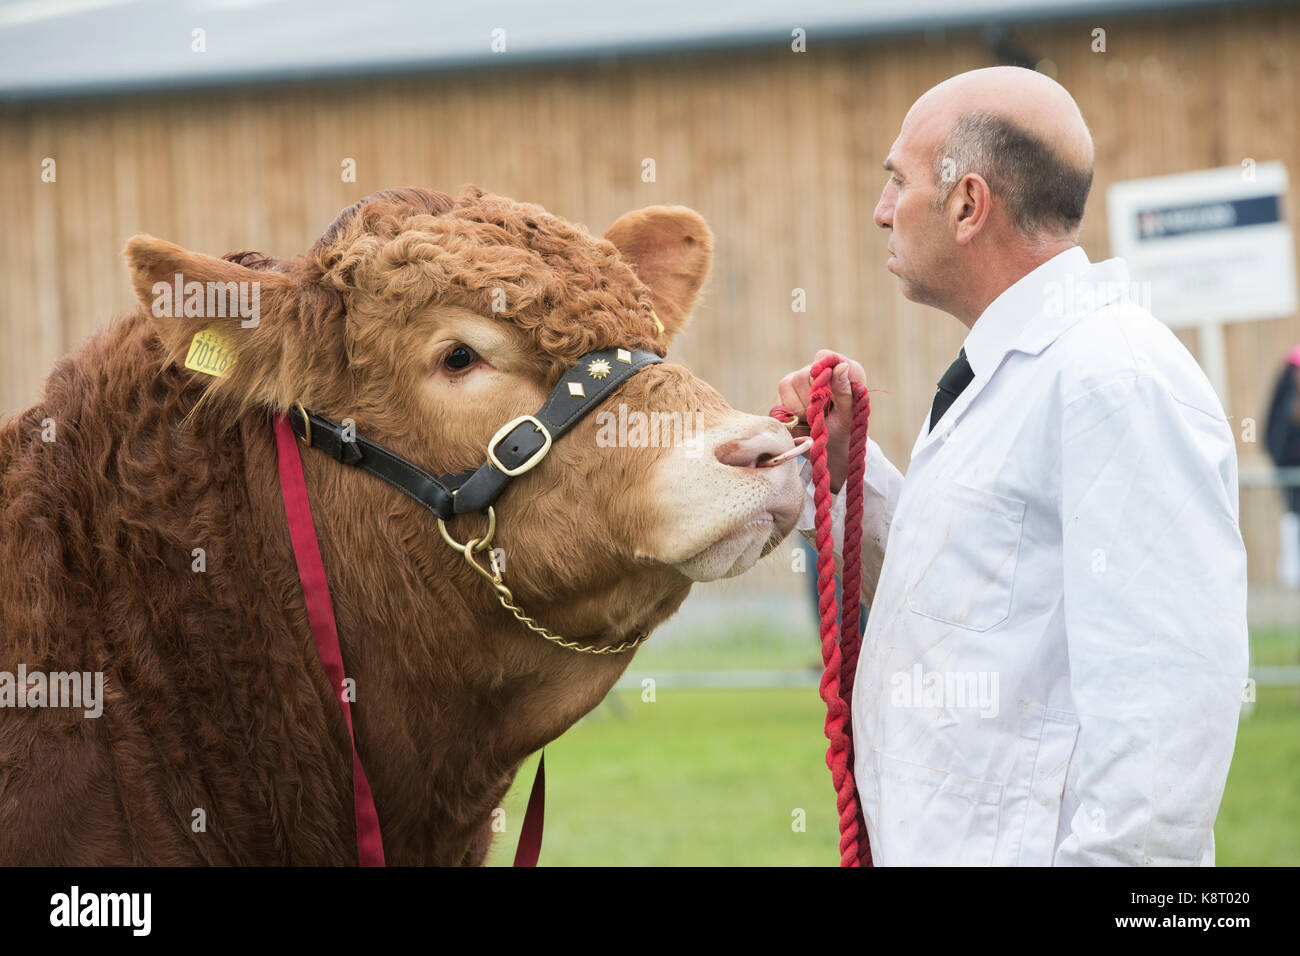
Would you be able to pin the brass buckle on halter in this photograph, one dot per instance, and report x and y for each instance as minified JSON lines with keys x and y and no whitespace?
{"x":533,"y":459}
{"x":306,"y":424}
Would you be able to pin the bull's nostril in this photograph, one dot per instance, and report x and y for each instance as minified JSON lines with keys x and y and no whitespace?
{"x":732,"y":453}
{"x":754,"y":451}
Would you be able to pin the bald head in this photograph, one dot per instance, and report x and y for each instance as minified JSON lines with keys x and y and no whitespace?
{"x":1024,"y":98}
{"x":1019,"y":130}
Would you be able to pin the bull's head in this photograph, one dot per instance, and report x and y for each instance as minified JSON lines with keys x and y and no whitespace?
{"x":429,"y":321}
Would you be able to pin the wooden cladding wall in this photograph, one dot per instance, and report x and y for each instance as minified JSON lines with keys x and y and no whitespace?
{"x":780,"y":151}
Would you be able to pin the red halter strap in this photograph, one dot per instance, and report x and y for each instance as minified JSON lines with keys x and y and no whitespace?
{"x":320,"y":613}
{"x":324,"y":631}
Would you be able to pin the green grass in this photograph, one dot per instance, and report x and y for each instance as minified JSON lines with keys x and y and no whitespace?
{"x":758,"y":645}
{"x":1259,"y":820}
{"x":711,"y":777}
{"x":698,"y":777}
{"x":1274,"y":647}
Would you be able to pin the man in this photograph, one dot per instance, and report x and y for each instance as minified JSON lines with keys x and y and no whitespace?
{"x":1056,"y":647}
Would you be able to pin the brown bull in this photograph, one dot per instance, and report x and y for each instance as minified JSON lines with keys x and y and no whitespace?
{"x":143,"y":538}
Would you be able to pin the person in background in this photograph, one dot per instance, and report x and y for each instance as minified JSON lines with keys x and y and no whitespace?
{"x":1282,"y":436}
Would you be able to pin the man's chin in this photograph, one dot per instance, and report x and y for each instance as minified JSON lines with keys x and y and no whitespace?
{"x":913,"y":292}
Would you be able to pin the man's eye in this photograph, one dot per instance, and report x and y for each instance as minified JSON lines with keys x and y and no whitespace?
{"x":461,"y":358}
{"x":895,"y":180}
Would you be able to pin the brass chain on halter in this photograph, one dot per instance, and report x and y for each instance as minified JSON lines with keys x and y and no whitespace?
{"x":507,"y":599}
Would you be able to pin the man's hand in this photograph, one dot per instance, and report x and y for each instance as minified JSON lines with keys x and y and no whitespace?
{"x":794,"y":390}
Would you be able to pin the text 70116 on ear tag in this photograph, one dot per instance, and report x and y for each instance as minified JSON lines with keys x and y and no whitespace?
{"x":210,"y":353}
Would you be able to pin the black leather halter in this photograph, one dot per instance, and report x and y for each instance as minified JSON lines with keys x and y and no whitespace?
{"x":516,"y":448}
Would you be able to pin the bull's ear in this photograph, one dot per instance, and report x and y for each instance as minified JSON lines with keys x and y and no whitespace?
{"x":186,"y":294}
{"x":670,"y":248}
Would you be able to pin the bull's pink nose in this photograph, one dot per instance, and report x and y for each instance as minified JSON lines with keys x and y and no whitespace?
{"x":754,"y":451}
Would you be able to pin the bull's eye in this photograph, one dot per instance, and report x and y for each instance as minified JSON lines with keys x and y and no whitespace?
{"x":461,"y":358}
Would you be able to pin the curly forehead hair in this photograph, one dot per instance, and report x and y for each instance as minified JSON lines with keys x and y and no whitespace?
{"x":400,"y":250}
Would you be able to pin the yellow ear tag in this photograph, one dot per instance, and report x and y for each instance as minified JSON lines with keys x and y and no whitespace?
{"x":658,"y":325}
{"x":210,"y":353}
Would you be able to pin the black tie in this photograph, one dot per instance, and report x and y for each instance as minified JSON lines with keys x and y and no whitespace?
{"x":954,"y":380}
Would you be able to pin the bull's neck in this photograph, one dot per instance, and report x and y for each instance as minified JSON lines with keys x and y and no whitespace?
{"x":452,"y":693}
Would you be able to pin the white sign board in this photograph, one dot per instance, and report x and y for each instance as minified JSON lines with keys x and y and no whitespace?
{"x":1214,"y":245}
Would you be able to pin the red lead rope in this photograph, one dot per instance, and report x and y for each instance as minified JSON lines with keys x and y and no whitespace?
{"x":839,"y":653}
{"x":320,"y":614}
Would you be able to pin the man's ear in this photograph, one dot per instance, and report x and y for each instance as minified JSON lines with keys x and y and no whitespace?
{"x":670,"y":248}
{"x":186,"y":293}
{"x":970,"y":208}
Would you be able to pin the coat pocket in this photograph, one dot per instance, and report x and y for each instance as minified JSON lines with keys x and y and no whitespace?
{"x":929,"y":817}
{"x":963,"y":565}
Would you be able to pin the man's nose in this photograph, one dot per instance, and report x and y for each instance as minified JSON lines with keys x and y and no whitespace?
{"x":884,"y":214}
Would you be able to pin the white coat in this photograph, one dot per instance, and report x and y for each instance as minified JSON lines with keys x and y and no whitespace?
{"x":1055,"y":654}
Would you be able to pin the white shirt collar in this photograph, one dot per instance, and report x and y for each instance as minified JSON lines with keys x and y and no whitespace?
{"x":1000,"y":325}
